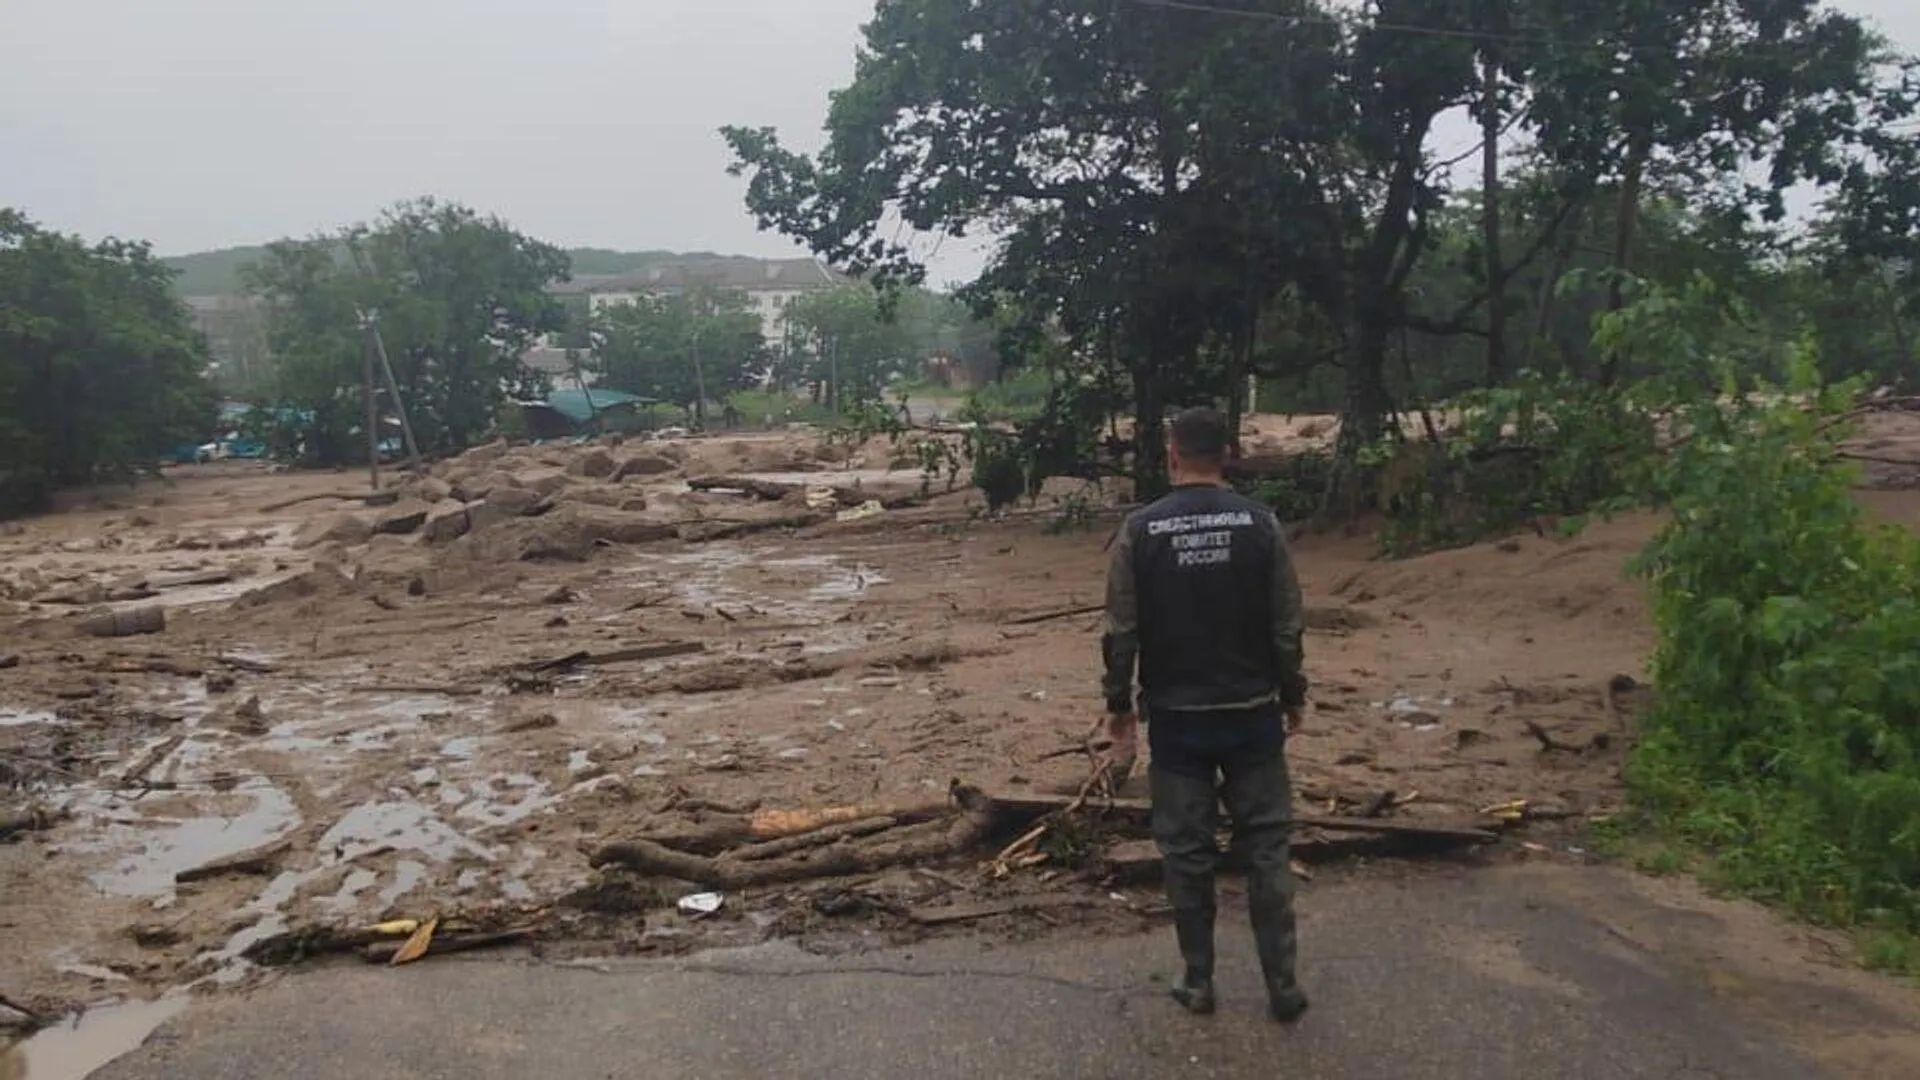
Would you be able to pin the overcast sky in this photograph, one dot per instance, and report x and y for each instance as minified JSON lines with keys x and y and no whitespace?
{"x":198,"y":124}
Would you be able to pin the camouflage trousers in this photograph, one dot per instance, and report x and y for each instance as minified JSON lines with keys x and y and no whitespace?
{"x":1186,"y":817}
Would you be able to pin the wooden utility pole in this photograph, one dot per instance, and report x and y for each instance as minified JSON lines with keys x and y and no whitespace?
{"x":373,"y":416}
{"x":371,"y":320}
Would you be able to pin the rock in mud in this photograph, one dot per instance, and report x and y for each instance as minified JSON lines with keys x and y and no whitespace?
{"x":326,"y":579}
{"x":543,"y":481}
{"x":402,"y":518}
{"x":619,"y":527}
{"x":431,"y":489}
{"x":473,"y":487}
{"x":502,"y":504}
{"x":482,"y":455}
{"x":552,"y":537}
{"x":446,"y":522}
{"x":596,"y":463}
{"x":77,"y":595}
{"x":644,"y":465}
{"x":592,"y":496}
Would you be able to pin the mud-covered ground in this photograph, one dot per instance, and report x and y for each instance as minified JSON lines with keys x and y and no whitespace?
{"x":361,"y":717}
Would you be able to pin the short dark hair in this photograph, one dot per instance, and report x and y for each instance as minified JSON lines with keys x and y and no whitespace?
{"x":1200,"y":434}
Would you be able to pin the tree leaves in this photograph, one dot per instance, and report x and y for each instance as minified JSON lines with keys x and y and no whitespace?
{"x":101,"y":373}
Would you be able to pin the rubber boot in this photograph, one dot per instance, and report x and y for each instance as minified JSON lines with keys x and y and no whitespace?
{"x":1194,"y":991}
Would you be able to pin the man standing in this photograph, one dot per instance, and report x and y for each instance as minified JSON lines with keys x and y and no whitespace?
{"x":1202,"y":595}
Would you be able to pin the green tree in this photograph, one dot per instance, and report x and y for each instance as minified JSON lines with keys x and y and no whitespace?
{"x":458,"y":297}
{"x":853,"y":340}
{"x":688,"y":348}
{"x":101,"y":372}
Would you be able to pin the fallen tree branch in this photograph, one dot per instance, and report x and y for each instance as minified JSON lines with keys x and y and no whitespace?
{"x":384,"y":952}
{"x":136,"y":775}
{"x":1050,"y":616}
{"x":1550,"y":744}
{"x":831,"y":834}
{"x":722,"y":832}
{"x":661,"y":651}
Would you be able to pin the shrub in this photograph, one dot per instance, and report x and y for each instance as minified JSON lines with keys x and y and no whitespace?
{"x":1786,"y":739}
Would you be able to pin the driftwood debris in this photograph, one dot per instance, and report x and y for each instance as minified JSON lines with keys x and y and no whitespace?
{"x":661,"y":651}
{"x":32,"y":819}
{"x":1552,"y":745}
{"x":136,"y":774}
{"x":909,"y":844}
{"x":1050,"y":616}
{"x":255,"y":862}
{"x":774,"y":491}
{"x":387,"y":952}
{"x":246,"y":664}
{"x":722,"y":832}
{"x":773,"y":847}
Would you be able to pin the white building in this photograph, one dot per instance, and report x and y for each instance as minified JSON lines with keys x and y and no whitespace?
{"x":769,"y":285}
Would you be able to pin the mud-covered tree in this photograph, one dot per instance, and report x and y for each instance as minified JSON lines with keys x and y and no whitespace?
{"x":101,"y":371}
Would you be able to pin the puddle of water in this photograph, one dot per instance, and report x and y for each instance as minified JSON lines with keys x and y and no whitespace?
{"x":184,"y":843}
{"x":75,"y":1048}
{"x":22,"y":718}
{"x":402,"y":826}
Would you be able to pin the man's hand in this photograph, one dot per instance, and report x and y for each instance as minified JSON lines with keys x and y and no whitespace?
{"x":1295,"y":716}
{"x":1120,"y":739}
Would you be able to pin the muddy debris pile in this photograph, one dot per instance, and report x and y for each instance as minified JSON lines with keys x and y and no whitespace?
{"x":559,"y":503}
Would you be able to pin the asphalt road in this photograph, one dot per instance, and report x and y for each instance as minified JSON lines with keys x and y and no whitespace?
{"x":1468,"y":975}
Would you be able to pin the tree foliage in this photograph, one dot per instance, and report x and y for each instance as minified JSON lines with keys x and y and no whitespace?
{"x":1190,"y":193}
{"x":689,"y":348}
{"x":457,"y":296}
{"x":101,"y":372}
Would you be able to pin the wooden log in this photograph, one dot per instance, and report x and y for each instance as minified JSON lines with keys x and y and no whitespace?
{"x":721,"y":832}
{"x":383,"y":952}
{"x":926,"y":842}
{"x":136,"y":774}
{"x":1050,"y":616}
{"x":32,"y":819}
{"x":832,"y":834}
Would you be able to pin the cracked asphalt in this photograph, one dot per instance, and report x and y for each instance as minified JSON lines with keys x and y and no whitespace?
{"x":1488,"y":975}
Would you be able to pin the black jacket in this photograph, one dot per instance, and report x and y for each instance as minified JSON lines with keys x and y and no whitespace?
{"x":1202,"y":593}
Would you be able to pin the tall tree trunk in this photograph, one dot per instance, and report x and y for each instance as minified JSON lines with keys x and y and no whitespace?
{"x":1363,"y":415}
{"x":1149,"y":437}
{"x":1497,"y":370}
{"x":1237,"y":368}
{"x":1626,"y":220}
{"x":1563,"y":251}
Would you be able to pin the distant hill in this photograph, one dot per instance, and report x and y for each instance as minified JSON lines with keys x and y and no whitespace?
{"x":217,"y":273}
